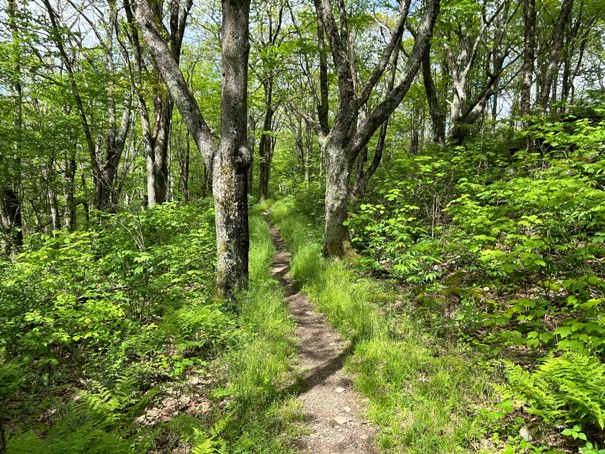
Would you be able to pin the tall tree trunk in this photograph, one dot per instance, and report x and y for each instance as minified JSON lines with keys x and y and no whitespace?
{"x":338,"y":170}
{"x":308,"y":153}
{"x":10,"y":202}
{"x":252,"y":147}
{"x":184,"y":166}
{"x":346,"y":138}
{"x":104,"y":191}
{"x":558,"y":33}
{"x":435,"y":110}
{"x":529,"y":55}
{"x":362,"y":178}
{"x":265,"y":147}
{"x":51,"y":195}
{"x":107,"y":192}
{"x":69,"y":177}
{"x":415,"y":139}
{"x":494,"y":111}
{"x":10,"y":205}
{"x":160,"y":151}
{"x":571,"y":34}
{"x":229,"y":176}
{"x":230,"y":160}
{"x":156,"y":134}
{"x":323,"y":107}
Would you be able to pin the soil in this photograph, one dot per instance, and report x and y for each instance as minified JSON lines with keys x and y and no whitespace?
{"x":333,"y":410}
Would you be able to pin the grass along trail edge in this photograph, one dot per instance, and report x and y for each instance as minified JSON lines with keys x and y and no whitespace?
{"x":330,"y":404}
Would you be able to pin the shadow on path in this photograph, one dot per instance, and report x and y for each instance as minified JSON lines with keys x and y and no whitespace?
{"x":331,"y":407}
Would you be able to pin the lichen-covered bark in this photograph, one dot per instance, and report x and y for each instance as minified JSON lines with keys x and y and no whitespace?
{"x":231,"y":218}
{"x":338,"y":170}
{"x":229,"y":178}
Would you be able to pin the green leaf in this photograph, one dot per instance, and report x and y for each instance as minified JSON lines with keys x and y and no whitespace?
{"x":563,"y":331}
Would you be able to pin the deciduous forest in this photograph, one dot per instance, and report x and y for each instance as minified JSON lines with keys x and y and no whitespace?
{"x":331,"y":226}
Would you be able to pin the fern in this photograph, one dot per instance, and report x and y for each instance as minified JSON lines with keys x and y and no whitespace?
{"x":569,"y":388}
{"x":211,"y":443}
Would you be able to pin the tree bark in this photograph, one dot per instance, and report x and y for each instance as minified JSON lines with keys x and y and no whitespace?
{"x":558,"y":33}
{"x":435,"y":110}
{"x":529,"y":54}
{"x":265,"y":147}
{"x":229,"y":177}
{"x":69,"y":176}
{"x":346,"y":139}
{"x":338,"y":170}
{"x":103,"y":172}
{"x":468,"y":105}
{"x":229,"y":161}
{"x":156,"y":135}
{"x":363,"y":176}
{"x":308,"y":153}
{"x":48,"y":173}
{"x":107,"y":192}
{"x":10,"y":215}
{"x":10,"y":202}
{"x":184,"y":169}
{"x":323,"y":107}
{"x":252,"y":148}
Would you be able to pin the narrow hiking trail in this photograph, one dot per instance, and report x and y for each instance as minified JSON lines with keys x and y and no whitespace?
{"x":330,"y":405}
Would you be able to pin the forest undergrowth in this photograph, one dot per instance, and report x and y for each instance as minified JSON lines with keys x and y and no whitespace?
{"x":475,"y":306}
{"x":474,"y":311}
{"x":497,"y":247}
{"x":111,"y":341}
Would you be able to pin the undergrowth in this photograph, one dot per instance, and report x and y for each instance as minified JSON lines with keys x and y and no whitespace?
{"x":500,"y":244}
{"x":112,"y":341}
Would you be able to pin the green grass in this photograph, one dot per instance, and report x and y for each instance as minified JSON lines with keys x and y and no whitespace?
{"x":425,"y":395}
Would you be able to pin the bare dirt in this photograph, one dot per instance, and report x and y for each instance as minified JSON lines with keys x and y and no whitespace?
{"x":332,"y":409}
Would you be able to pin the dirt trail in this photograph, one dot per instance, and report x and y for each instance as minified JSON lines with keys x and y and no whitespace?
{"x":331,"y":406}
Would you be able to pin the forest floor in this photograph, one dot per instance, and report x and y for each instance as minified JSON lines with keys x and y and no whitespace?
{"x":333,"y":411}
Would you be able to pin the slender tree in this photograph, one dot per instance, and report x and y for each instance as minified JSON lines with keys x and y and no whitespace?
{"x":270,"y":19}
{"x":529,"y":55}
{"x":109,"y":142}
{"x":156,"y":123}
{"x":547,"y":79}
{"x":10,"y":203}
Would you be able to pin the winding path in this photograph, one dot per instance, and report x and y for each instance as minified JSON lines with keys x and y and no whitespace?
{"x":330,"y":405}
